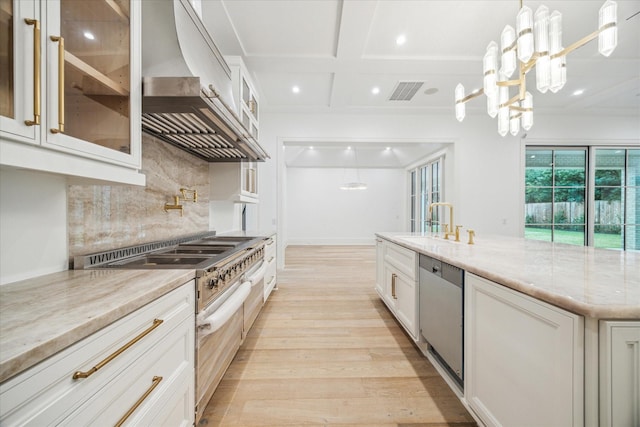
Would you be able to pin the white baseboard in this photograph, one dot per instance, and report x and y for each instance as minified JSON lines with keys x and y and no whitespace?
{"x":331,"y":242}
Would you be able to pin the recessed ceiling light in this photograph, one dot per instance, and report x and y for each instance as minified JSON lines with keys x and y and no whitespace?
{"x":89,"y":35}
{"x":375,"y":90}
{"x":578,"y":92}
{"x":431,"y":91}
{"x":295,"y":89}
{"x":311,"y":147}
{"x":388,"y":148}
{"x":401,"y":39}
{"x":349,"y":148}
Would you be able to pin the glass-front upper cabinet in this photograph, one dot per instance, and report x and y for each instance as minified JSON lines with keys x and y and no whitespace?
{"x":89,"y":53}
{"x":20,"y":35}
{"x":70,"y":84}
{"x":245,"y":96}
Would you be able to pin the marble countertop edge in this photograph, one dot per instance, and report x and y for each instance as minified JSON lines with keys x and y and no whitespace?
{"x":19,"y":355}
{"x":465,"y":257}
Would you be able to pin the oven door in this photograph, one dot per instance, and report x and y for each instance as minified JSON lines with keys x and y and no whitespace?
{"x":253,"y":304}
{"x":219,"y":335}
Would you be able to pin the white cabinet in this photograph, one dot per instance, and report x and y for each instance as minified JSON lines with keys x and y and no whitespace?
{"x":524,"y":361}
{"x":244,"y":94}
{"x":271,"y":274}
{"x":380,"y":285}
{"x":70,"y":87}
{"x":236,"y":182}
{"x":399,"y":288}
{"x":619,"y":373}
{"x":142,"y":365}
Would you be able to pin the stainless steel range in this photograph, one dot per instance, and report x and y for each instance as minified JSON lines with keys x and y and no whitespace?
{"x":229,"y":293}
{"x":219,"y":261}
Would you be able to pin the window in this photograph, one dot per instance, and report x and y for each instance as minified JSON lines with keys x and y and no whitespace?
{"x":426,"y":188}
{"x":555,"y":192}
{"x":617,"y":199}
{"x":570,"y":199}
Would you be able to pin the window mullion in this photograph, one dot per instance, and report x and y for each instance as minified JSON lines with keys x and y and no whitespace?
{"x":591,"y":196}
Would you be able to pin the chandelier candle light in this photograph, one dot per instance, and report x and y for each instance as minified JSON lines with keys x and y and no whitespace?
{"x":536,"y":42}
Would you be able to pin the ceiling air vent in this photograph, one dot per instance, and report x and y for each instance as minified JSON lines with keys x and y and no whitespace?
{"x":405,"y":91}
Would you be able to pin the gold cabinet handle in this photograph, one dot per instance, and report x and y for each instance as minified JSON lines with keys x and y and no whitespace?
{"x":393,"y":285}
{"x":252,"y":106}
{"x":80,"y":374}
{"x":60,"y":41}
{"x":270,"y":259}
{"x":154,"y":383}
{"x":36,"y":72}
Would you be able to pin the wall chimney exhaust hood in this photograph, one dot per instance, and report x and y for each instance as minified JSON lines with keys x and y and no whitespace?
{"x":187,"y":95}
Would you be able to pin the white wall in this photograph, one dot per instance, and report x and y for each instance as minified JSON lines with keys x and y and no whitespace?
{"x":318,"y":212}
{"x":33,"y":224}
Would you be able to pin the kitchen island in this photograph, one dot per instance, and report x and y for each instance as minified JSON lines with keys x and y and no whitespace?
{"x":544,"y":324}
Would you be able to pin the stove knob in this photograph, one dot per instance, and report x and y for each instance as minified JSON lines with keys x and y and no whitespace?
{"x":213,"y":283}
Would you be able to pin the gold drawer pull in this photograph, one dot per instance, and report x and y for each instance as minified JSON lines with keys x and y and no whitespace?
{"x":393,"y":285}
{"x":36,"y":72}
{"x":60,"y":40}
{"x":270,"y":259}
{"x":154,"y":384}
{"x":80,"y":374}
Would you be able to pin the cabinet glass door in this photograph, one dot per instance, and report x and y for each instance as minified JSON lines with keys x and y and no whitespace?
{"x":6,"y":59}
{"x":94,"y":58}
{"x":19,"y":38}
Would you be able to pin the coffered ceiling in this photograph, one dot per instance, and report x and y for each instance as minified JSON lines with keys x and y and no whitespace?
{"x":337,"y":51}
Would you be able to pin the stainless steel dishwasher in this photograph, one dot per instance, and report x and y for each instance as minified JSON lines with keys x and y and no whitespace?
{"x":441,"y":314}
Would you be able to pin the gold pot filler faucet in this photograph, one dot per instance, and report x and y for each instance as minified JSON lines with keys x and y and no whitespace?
{"x":187,"y":196}
{"x":449,"y":228}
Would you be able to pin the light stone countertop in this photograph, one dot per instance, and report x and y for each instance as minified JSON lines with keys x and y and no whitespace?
{"x":41,"y":316}
{"x":597,"y":283}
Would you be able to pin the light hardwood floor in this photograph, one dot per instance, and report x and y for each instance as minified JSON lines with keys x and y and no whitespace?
{"x":326,"y":351}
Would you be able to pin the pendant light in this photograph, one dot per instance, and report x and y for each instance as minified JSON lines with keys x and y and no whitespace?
{"x":536,"y":43}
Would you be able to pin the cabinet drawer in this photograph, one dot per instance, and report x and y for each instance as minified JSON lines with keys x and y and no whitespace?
{"x":47,"y":392}
{"x":252,"y":306}
{"x":169,"y":362}
{"x":401,"y":258}
{"x":270,"y":248}
{"x":270,"y":275}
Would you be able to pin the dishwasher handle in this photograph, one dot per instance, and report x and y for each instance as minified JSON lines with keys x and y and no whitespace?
{"x":431,"y":265}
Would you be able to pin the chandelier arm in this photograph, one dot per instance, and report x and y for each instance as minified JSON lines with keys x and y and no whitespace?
{"x":583,"y":41}
{"x":526,"y":67}
{"x":521,"y":109}
{"x":509,"y":83}
{"x":472,"y":95}
{"x":510,"y":102}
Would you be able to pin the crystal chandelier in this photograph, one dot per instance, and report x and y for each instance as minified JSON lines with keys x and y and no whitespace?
{"x":536,"y":42}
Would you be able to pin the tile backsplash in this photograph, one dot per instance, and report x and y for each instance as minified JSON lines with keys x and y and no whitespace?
{"x":102,"y":217}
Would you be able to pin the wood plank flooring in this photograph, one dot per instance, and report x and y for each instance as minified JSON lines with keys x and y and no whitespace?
{"x":326,"y":351}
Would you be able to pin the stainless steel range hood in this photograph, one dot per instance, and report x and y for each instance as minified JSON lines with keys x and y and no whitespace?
{"x":186,"y":87}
